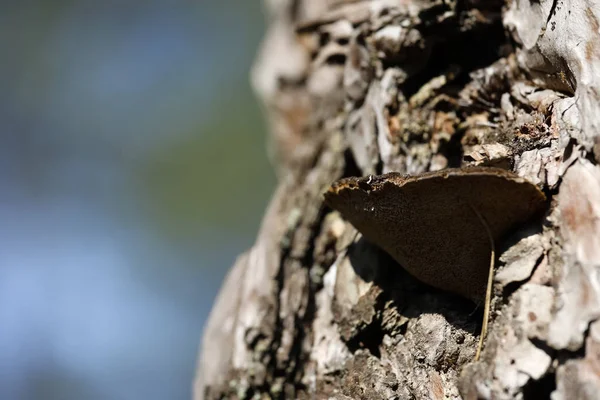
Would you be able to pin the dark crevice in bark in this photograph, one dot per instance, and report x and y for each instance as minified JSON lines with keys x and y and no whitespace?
{"x":273,"y":371}
{"x":308,"y":258}
{"x":540,"y":344}
{"x":336,"y":59}
{"x":512,"y":287}
{"x":543,"y":387}
{"x":552,"y":11}
{"x":540,"y":388}
{"x":309,"y":316}
{"x":453,"y":150}
{"x":470,"y":50}
{"x":565,"y":355}
{"x":278,"y":330}
{"x":429,"y":15}
{"x":350,"y":166}
{"x":298,"y":358}
{"x":369,"y":338}
{"x":535,"y":226}
{"x":295,"y":374}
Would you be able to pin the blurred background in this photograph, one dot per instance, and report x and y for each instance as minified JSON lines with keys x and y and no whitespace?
{"x":133,"y":171}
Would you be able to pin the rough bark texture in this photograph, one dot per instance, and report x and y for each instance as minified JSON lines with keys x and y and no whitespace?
{"x":365,"y":87}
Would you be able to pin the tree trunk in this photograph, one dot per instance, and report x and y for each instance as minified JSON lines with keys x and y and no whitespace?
{"x":353,"y":88}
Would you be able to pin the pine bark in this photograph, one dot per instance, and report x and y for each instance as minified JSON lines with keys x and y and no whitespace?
{"x":352,"y":88}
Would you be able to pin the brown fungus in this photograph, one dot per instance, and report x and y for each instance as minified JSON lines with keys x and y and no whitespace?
{"x":434,"y":224}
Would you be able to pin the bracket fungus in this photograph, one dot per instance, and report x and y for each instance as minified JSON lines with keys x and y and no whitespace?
{"x":438,"y":225}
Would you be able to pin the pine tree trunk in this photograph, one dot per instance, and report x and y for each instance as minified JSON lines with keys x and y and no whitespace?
{"x":353,"y":88}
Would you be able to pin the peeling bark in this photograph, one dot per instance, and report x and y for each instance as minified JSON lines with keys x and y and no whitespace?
{"x":353,"y":88}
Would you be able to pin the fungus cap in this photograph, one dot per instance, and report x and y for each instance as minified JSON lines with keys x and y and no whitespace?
{"x":429,"y":223}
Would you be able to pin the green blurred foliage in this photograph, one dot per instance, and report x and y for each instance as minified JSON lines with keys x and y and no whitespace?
{"x":216,"y":176}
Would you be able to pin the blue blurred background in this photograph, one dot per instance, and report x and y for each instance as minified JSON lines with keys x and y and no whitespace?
{"x":133,"y":171}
